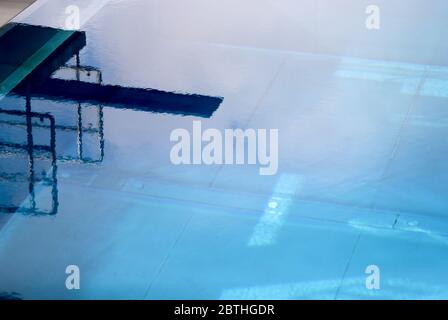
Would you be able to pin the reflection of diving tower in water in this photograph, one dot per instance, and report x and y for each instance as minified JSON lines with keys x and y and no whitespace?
{"x":28,"y":152}
{"x":34,"y":162}
{"x":24,"y":163}
{"x":76,"y":72}
{"x":60,"y":77}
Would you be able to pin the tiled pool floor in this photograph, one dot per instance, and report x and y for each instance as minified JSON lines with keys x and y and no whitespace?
{"x":362,"y":172}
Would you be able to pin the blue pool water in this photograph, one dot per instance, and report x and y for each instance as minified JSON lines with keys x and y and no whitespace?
{"x":363,"y":124}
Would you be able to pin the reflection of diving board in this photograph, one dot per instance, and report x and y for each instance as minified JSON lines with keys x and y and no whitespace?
{"x":36,"y":67}
{"x":23,"y":48}
{"x":124,"y":97}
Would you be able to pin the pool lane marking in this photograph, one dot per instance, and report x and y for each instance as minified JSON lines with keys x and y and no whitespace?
{"x":278,"y":206}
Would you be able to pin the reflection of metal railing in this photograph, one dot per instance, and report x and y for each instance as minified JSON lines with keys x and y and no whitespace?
{"x":34,"y":152}
{"x":78,"y":72}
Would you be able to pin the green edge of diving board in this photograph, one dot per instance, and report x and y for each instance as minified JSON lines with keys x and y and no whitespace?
{"x":33,"y":61}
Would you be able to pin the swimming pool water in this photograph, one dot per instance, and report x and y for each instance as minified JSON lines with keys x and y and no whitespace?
{"x":362,"y":118}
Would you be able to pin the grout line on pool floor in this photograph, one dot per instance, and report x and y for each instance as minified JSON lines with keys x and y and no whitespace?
{"x":256,"y":107}
{"x":347,"y":267}
{"x":398,"y":141}
{"x":167,"y":256}
{"x":321,"y":201}
{"x":260,"y":211}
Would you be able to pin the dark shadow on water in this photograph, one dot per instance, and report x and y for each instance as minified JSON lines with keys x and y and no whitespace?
{"x":10,"y":296}
{"x":137,"y":99}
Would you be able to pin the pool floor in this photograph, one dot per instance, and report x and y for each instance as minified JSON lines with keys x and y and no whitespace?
{"x":363,"y":124}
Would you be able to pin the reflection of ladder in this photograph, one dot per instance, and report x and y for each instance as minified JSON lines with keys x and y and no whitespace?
{"x":34,"y":153}
{"x":83,"y":73}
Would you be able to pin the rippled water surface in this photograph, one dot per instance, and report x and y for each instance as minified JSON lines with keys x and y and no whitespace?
{"x":86,"y":177}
